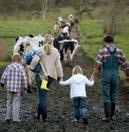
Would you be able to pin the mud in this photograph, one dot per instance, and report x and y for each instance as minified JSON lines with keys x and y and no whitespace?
{"x":60,"y":110}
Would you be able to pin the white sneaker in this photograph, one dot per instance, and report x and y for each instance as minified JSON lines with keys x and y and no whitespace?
{"x":104,"y":119}
{"x":75,"y":120}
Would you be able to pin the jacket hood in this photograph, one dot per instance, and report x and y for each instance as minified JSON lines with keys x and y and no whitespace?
{"x":78,"y":78}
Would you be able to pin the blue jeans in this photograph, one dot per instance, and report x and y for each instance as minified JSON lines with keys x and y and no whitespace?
{"x":80,"y":107}
{"x":42,"y":94}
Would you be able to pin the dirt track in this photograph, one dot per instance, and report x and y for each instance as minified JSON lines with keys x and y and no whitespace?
{"x":60,"y":111}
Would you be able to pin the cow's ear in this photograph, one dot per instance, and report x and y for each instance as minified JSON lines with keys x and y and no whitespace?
{"x":31,"y":35}
{"x":16,"y":39}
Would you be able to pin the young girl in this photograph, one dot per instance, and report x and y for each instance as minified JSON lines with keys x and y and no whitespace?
{"x":78,"y":94}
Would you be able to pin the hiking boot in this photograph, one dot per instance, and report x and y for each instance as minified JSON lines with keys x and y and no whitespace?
{"x":85,"y":121}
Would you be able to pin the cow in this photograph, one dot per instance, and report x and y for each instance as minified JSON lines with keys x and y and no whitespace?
{"x":67,"y":49}
{"x":72,"y":20}
{"x":24,"y":44}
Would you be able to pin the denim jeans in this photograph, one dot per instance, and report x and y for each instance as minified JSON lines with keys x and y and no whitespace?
{"x":42,"y":94}
{"x":80,"y":107}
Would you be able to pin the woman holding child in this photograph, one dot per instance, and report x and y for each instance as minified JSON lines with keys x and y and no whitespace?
{"x":50,"y":62}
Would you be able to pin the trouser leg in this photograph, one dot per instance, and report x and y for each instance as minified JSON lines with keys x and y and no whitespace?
{"x":113,"y":94}
{"x":76,"y":102}
{"x":42,"y":107}
{"x":112,"y":110}
{"x":16,"y":106}
{"x":9,"y":105}
{"x":106,"y":96}
{"x":107,"y":109}
{"x":38,"y":112}
{"x":83,"y":108}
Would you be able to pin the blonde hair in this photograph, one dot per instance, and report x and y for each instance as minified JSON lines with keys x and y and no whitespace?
{"x":16,"y":58}
{"x":48,"y":41}
{"x":29,"y":48}
{"x":76,"y":70}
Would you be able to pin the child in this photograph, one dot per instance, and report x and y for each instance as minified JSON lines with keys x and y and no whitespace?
{"x":78,"y":93}
{"x":14,"y":79}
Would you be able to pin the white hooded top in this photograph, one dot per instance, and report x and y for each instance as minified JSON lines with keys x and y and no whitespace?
{"x":77,"y":84}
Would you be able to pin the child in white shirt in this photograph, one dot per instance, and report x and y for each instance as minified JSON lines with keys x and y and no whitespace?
{"x":77,"y":84}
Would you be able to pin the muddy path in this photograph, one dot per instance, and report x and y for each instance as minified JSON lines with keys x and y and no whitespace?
{"x":60,"y":110}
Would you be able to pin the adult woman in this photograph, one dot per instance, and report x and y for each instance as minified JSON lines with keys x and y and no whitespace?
{"x":50,"y":60}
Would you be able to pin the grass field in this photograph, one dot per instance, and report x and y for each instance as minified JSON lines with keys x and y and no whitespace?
{"x":11,"y":29}
{"x":90,"y":36}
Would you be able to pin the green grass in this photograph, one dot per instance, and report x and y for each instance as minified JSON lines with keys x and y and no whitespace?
{"x":91,"y":38}
{"x":11,"y":29}
{"x":21,"y":28}
{"x":90,"y":34}
{"x":3,"y":64}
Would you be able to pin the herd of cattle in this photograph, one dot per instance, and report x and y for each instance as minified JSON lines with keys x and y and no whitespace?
{"x":66,"y":45}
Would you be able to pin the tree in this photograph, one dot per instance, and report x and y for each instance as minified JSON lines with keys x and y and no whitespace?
{"x":82,"y":6}
{"x":17,"y":10}
{"x":44,"y":5}
{"x":116,"y":15}
{"x":29,"y":8}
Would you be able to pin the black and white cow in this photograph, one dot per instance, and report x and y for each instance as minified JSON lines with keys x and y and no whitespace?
{"x":28,"y":43}
{"x":67,"y":48}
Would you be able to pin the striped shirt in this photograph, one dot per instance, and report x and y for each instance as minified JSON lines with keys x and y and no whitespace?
{"x":104,"y":54}
{"x":14,"y":77}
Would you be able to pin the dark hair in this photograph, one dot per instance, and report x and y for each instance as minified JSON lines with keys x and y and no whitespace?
{"x":108,"y":39}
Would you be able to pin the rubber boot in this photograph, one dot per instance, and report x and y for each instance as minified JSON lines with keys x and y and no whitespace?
{"x":107,"y":110}
{"x":112,"y":110}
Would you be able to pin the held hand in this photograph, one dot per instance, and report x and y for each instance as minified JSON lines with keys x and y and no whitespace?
{"x":92,"y":78}
{"x":59,"y":79}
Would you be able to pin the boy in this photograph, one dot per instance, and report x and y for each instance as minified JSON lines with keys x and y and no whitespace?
{"x":14,"y":79}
